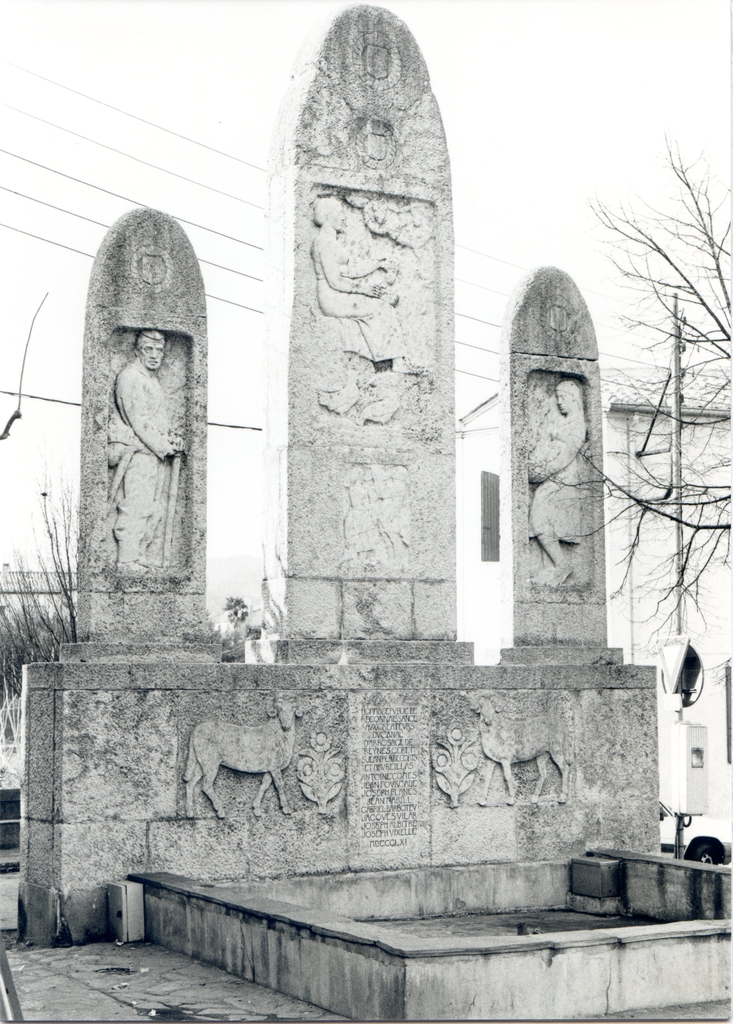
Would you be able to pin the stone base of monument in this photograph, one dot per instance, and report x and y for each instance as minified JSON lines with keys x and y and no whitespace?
{"x":236,"y":772}
{"x":358,"y":652}
{"x":561,"y":654}
{"x":474,"y":943}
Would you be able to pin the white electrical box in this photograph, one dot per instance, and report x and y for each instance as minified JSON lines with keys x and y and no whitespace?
{"x":689,"y":768}
{"x":126,"y":911}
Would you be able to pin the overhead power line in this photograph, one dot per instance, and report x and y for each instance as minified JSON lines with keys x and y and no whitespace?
{"x":66,"y":401}
{"x":469,"y":374}
{"x":100,"y":224}
{"x":137,"y":159}
{"x":126,"y":199}
{"x":61,"y":245}
{"x":135,"y":117}
{"x":230,"y":156}
{"x":491,"y":351}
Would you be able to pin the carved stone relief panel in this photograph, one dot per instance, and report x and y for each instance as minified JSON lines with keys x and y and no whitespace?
{"x":320,"y":770}
{"x":558,"y":474}
{"x":370,"y":74}
{"x":373,"y":263}
{"x":265,"y":749}
{"x":510,"y":737}
{"x":455,"y":764}
{"x":148,"y":438}
{"x":377,"y":519}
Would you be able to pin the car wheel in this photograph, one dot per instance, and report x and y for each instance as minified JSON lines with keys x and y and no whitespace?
{"x":706,"y":851}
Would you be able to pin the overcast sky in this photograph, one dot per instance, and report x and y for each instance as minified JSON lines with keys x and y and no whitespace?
{"x":546,"y":103}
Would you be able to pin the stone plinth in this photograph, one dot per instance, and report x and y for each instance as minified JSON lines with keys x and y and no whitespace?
{"x":360,"y":458}
{"x":142,"y":544}
{"x":358,"y":652}
{"x":553,"y":562}
{"x":382,"y":768}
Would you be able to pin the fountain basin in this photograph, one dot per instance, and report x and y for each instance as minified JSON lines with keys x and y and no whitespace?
{"x":472,"y":965}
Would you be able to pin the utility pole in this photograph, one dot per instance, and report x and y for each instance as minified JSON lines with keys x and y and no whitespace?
{"x":677,"y":349}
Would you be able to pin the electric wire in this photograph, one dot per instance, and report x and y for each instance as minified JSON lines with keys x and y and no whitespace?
{"x":252,"y":277}
{"x":61,"y":245}
{"x":126,"y":199}
{"x":100,"y":224}
{"x":66,"y":401}
{"x":137,"y":159}
{"x":135,"y":117}
{"x":229,"y":156}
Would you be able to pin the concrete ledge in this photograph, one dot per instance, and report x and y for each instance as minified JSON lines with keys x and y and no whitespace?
{"x":349,"y":967}
{"x":672,"y":890}
{"x":394,"y":895}
{"x":607,"y":905}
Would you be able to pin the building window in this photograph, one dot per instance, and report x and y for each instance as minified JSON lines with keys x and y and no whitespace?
{"x":489,"y":517}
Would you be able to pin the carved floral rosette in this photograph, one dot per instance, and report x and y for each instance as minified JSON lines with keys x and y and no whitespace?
{"x":320,"y":772}
{"x":455,"y":764}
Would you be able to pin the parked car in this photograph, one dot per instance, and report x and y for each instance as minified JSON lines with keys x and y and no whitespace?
{"x":707,"y":840}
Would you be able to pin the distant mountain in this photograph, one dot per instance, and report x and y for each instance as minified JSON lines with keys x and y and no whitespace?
{"x":235,"y":576}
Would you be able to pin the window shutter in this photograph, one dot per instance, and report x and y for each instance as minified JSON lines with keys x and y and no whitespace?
{"x":489,"y":517}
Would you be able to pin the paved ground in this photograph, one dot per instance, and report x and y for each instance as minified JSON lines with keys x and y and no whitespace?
{"x":104,"y":981}
{"x":107,"y":982}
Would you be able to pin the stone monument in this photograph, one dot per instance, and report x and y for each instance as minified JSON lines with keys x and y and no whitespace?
{"x":360,"y":463}
{"x":359,"y":750}
{"x":142,"y":552}
{"x":553,"y":571}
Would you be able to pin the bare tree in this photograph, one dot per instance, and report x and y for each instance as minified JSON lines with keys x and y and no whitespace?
{"x":38,"y":601}
{"x":671,"y":481}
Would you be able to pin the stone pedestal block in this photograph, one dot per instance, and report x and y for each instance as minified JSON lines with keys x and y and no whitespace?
{"x":263,"y":772}
{"x":360,"y":459}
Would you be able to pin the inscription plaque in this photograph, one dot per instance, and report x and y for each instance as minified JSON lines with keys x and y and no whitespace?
{"x":392,"y":741}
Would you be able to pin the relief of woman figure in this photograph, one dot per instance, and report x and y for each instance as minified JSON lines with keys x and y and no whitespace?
{"x":351,"y":289}
{"x":555,"y":465}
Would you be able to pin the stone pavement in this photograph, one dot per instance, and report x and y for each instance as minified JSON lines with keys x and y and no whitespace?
{"x":104,"y":981}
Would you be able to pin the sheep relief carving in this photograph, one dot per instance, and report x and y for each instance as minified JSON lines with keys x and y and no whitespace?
{"x":507,"y":741}
{"x":256,"y":749}
{"x":373,"y":272}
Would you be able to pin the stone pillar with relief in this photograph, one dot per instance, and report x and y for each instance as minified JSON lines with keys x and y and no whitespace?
{"x":553,"y":562}
{"x":142,"y":551}
{"x":360,"y":459}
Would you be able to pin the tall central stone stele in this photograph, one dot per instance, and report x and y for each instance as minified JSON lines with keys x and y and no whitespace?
{"x":360,"y":457}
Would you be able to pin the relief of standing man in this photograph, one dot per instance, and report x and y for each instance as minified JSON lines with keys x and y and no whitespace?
{"x":145,"y":455}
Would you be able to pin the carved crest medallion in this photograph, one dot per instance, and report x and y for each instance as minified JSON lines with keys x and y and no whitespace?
{"x":377,"y":60}
{"x":151,"y":267}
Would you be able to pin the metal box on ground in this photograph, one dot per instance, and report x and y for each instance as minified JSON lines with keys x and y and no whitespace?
{"x":126,"y":911}
{"x":594,"y":876}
